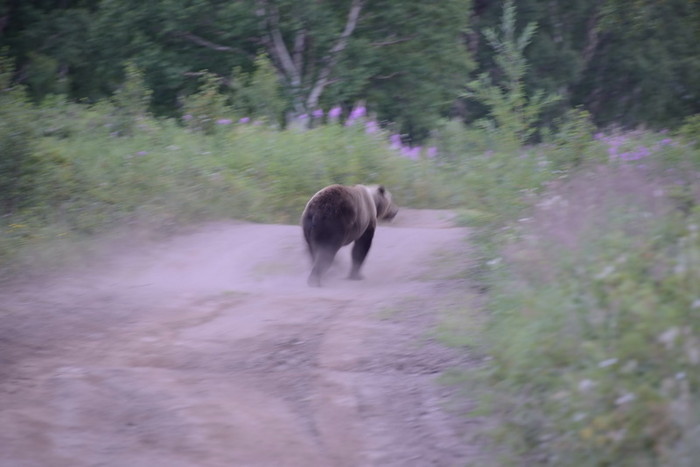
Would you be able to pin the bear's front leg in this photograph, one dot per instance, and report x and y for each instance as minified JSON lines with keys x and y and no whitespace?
{"x":359,"y":252}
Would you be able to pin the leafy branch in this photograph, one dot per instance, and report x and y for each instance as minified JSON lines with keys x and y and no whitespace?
{"x":514,"y":113}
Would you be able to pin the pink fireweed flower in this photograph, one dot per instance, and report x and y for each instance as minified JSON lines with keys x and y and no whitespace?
{"x":411,"y":153}
{"x":335,"y":112}
{"x":358,"y":112}
{"x":224,"y":121}
{"x":371,"y":127}
{"x":395,"y":141}
{"x":639,"y":153}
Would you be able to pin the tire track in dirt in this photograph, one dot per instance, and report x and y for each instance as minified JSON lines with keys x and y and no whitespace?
{"x":211,"y":350}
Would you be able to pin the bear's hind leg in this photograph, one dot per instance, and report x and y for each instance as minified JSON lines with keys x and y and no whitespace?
{"x":323,"y":258}
{"x":359,"y":252}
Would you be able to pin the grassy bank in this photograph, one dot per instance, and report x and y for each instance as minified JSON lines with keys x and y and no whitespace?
{"x":593,"y":305}
{"x":79,"y":175}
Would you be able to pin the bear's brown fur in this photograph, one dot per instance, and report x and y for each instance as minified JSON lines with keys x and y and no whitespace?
{"x":339,"y":215}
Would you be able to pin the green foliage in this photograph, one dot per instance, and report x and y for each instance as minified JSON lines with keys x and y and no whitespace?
{"x":626,"y":63}
{"x":131,"y":101}
{"x":413,"y":60}
{"x":645,"y":43}
{"x":608,"y":57}
{"x":203,"y":108}
{"x":86,"y":181}
{"x":573,"y":142}
{"x":594,"y":302}
{"x":514,"y":113}
{"x":259,"y":94}
{"x":690,"y":130}
{"x":408,"y":50}
{"x":44,"y":77}
{"x":611,"y":304}
{"x":17,"y":139}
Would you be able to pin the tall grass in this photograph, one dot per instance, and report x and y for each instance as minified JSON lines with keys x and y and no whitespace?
{"x":87,"y":178}
{"x":593,"y":283}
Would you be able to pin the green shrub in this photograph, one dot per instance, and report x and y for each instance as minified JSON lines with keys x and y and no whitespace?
{"x":203,"y":109}
{"x":258,"y":95}
{"x":131,"y":101}
{"x":514,"y":115}
{"x":595,"y":333}
{"x":573,"y":144}
{"x":87,"y":181}
{"x":690,"y":130}
{"x":17,"y":139}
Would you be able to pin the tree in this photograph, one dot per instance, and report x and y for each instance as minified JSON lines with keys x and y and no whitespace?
{"x":514,"y":111}
{"x":301,"y":67}
{"x":405,"y":57}
{"x":645,"y":67}
{"x":627,"y":63}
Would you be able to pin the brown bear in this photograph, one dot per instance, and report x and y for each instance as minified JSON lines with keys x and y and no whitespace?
{"x":339,"y":215}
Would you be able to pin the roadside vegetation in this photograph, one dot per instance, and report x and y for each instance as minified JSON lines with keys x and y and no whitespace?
{"x":588,"y":248}
{"x":72,"y":171}
{"x":587,"y":238}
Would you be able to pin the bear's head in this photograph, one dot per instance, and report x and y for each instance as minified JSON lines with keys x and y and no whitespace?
{"x":386,"y":209}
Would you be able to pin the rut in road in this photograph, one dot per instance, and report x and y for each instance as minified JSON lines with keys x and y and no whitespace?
{"x":211,"y":350}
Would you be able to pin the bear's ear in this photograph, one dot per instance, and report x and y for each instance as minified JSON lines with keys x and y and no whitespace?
{"x":381,"y":189}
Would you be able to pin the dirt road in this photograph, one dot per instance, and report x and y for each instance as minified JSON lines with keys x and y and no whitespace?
{"x":211,"y":350}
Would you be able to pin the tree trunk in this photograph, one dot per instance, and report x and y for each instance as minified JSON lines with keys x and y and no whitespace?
{"x":291,"y":66}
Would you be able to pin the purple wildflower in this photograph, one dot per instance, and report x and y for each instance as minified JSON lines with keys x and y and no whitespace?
{"x":224,"y":121}
{"x":614,"y":142}
{"x":640,"y":153}
{"x":357,"y":112}
{"x":142,"y":153}
{"x":411,"y":153}
{"x":303,"y":117}
{"x":318,"y":113}
{"x":187,"y":117}
{"x":335,"y":112}
{"x":431,"y":153}
{"x":244,"y":120}
{"x":395,"y":141}
{"x":371,"y":127}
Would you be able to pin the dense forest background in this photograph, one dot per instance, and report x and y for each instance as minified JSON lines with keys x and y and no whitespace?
{"x":628,"y":63}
